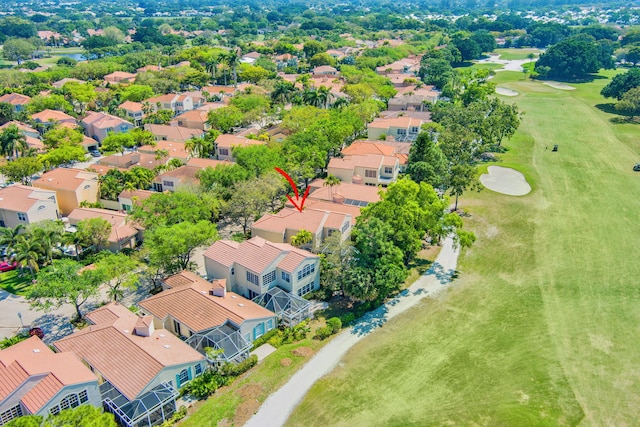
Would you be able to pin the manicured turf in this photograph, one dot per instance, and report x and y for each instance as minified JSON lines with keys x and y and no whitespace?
{"x":10,"y":281}
{"x":541,"y":328}
{"x":514,"y":53}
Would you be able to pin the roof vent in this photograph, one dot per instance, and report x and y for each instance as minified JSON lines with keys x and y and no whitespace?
{"x":161,"y":335}
{"x":233,"y":296}
{"x":166,"y":346}
{"x":36,"y":350}
{"x":126,"y":331}
{"x":240,"y":305}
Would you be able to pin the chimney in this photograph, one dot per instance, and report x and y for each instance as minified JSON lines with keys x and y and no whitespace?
{"x":338,"y":198}
{"x":218,"y":291}
{"x":356,"y":179}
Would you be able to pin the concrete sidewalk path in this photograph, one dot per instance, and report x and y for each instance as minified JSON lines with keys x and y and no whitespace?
{"x":276,"y":409}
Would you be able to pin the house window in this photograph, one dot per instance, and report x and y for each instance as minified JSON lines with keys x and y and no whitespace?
{"x":21,"y":216}
{"x":401,"y":132}
{"x":345,"y":227}
{"x":124,"y":128}
{"x":269,"y":277}
{"x":286,"y":277}
{"x":252,"y":294}
{"x":414,"y":129}
{"x":224,"y":151}
{"x":258,"y":331}
{"x":176,"y":327}
{"x":10,"y":414}
{"x":183,"y":377}
{"x":306,"y":270}
{"x":370,"y":174}
{"x":305,"y":289}
{"x":109,"y":130}
{"x":233,"y":271}
{"x":388,"y":170}
{"x":72,"y":400}
{"x":253,"y":278}
{"x":126,"y":207}
{"x":198,"y":369}
{"x":269,"y":324}
{"x":180,"y":123}
{"x":167,"y":183}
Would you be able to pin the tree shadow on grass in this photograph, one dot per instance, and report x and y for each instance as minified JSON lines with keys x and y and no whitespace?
{"x":609,"y":108}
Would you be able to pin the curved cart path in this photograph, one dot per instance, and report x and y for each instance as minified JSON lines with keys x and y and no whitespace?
{"x":276,"y":409}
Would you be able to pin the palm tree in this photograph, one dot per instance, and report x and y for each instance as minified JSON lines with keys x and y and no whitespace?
{"x":310,"y":97}
{"x":73,"y":239}
{"x":341,"y":102}
{"x":211,"y":66}
{"x":9,"y":237}
{"x":323,"y":97}
{"x":283,"y":92}
{"x":48,"y":240}
{"x":231,"y":59}
{"x":331,"y":181}
{"x":301,"y":238}
{"x":12,"y":142}
{"x":195,"y":146}
{"x":28,"y":254}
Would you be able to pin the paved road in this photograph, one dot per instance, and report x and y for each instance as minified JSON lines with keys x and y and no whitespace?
{"x":276,"y":409}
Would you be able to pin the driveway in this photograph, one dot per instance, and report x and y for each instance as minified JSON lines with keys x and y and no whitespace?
{"x":276,"y":409}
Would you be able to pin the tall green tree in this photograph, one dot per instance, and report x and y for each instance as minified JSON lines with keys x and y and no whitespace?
{"x":119,"y":271}
{"x":630,"y":103}
{"x":13,"y":143}
{"x":62,"y":283}
{"x":621,"y":84}
{"x":171,"y":247}
{"x":573,"y":58}
{"x":94,"y":232}
{"x":22,"y":169}
{"x":166,"y":209}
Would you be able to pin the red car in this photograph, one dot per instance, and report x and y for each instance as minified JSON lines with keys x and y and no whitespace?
{"x":8,"y":266}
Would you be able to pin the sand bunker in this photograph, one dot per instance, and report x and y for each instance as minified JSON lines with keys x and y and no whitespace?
{"x":505,"y":181}
{"x":558,"y":85}
{"x":506,"y":92}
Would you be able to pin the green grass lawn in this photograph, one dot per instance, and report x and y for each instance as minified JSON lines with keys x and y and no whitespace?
{"x":10,"y":281}
{"x":237,"y":402}
{"x":515,"y":53}
{"x":541,"y":328}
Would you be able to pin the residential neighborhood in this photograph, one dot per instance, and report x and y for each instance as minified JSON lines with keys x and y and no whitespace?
{"x":265,"y":214}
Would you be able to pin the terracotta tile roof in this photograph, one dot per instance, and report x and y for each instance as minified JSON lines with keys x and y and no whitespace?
{"x":21,"y":198}
{"x":22,"y":126}
{"x":216,"y":90}
{"x":38,"y":396}
{"x":103,"y":169}
{"x":199,"y":116}
{"x":119,"y":75}
{"x":65,"y":179}
{"x":183,"y":174}
{"x":192,"y":305}
{"x":291,"y":219}
{"x":175,"y":149}
{"x":103,"y":120}
{"x":52,"y":371}
{"x":325,"y":69}
{"x":205,"y":163}
{"x":11,"y":376}
{"x":256,"y":254}
{"x":338,"y":208}
{"x":366,"y":147}
{"x":64,"y":81}
{"x":35,"y":143}
{"x":369,"y":161}
{"x":129,"y":362}
{"x":364,"y":193}
{"x":138,"y":194}
{"x":163,"y":99}
{"x":88,"y":141}
{"x":131,"y":106}
{"x":230,"y":141}
{"x":120,"y":229}
{"x":52,"y":115}
{"x":175,"y":133}
{"x":15,"y":98}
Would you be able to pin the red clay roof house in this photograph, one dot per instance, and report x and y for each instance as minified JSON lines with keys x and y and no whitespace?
{"x":133,"y":356}
{"x":226,"y":142}
{"x":17,"y":100}
{"x":35,"y":380}
{"x":123,"y":234}
{"x":184,"y":176}
{"x":46,"y":116}
{"x":345,"y":192}
{"x":399,"y":150}
{"x":21,"y":204}
{"x":173,"y":133}
{"x":176,"y":150}
{"x":119,"y":76}
{"x":194,"y":119}
{"x":72,"y":186}
{"x":191,"y":304}
{"x":99,"y":125}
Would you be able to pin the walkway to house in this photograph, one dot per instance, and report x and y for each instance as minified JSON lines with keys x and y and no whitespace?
{"x":277,"y":408}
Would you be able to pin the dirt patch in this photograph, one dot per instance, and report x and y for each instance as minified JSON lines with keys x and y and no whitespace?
{"x":250,"y":391}
{"x":506,"y":92}
{"x":245,"y":411}
{"x":286,"y":362}
{"x":302,"y":352}
{"x":249,"y":405}
{"x":506,"y":181}
{"x":225,"y":422}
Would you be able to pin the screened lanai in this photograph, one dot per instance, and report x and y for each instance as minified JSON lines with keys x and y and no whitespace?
{"x":290,"y":308}
{"x":150,"y":409}
{"x":231,"y":346}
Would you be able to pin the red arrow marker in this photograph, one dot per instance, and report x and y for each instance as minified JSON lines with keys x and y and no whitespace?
{"x":295,"y":191}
